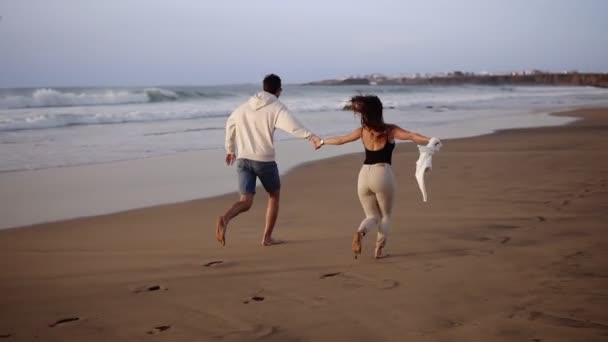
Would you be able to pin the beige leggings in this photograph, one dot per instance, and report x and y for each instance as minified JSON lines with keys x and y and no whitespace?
{"x":376,"y":189}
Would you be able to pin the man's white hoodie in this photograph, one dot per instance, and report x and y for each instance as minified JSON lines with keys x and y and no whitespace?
{"x":251,"y":126}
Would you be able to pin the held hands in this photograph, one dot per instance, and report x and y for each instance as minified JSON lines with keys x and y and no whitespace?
{"x":320,"y":143}
{"x":316,"y":142}
{"x":230,"y":158}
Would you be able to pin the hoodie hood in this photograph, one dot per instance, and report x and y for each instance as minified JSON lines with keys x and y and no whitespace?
{"x":261,"y":99}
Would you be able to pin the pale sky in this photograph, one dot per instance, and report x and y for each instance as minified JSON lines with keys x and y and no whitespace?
{"x":200,"y":42}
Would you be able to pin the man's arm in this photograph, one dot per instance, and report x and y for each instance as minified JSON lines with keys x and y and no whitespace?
{"x":286,"y":122}
{"x":230,"y":135}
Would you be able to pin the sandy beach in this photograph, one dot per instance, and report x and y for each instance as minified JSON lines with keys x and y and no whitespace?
{"x":511,"y":246}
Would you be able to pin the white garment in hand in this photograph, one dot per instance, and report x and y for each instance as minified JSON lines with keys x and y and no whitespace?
{"x":424,"y":162}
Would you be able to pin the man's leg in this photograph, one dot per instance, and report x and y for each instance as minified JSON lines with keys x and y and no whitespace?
{"x":272,"y":212}
{"x":242,"y":205}
{"x":269,"y":176}
{"x":247,"y":179}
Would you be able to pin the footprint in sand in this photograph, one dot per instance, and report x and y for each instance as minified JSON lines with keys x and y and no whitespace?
{"x":359,"y":281}
{"x":565,"y":321}
{"x":212,"y":263}
{"x":450,"y":323}
{"x":430,"y":266}
{"x":255,"y":299}
{"x":585,"y":192}
{"x":150,"y":288}
{"x":503,"y":226}
{"x":575,"y":255}
{"x":561,"y":204}
{"x":388,"y":284}
{"x":159,"y":329}
{"x":258,"y":332}
{"x":64,"y":321}
{"x":327,"y":275}
{"x":481,"y":252}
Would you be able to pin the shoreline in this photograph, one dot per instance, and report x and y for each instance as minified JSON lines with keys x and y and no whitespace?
{"x":80,"y":191}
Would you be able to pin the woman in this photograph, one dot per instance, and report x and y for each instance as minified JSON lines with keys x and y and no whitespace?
{"x":376,"y":185}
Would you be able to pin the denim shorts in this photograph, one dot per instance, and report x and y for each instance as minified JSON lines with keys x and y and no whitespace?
{"x":249,"y":170}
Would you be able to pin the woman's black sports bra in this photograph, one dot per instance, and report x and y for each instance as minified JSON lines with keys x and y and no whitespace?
{"x":383,"y":155}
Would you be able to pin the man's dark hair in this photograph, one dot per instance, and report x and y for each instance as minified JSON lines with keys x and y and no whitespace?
{"x":272,"y":84}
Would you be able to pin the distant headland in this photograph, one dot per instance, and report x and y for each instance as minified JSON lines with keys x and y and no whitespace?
{"x":534,"y":77}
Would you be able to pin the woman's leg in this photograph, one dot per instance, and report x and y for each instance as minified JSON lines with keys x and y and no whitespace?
{"x":384,"y":186}
{"x":368,"y":201}
{"x":370,"y":207}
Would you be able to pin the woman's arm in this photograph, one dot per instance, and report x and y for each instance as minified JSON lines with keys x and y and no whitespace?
{"x":401,"y":134}
{"x":356,"y":134}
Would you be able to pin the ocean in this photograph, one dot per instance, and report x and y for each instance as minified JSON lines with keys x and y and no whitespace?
{"x":56,"y":127}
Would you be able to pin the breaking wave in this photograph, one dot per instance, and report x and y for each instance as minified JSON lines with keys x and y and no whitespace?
{"x":49,"y":97}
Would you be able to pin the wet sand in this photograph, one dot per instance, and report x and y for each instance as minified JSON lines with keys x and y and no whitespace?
{"x":511,"y":246}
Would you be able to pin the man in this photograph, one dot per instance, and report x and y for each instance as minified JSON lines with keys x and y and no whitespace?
{"x":251,"y":126}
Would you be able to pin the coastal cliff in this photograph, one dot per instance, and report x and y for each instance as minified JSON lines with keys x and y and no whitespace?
{"x":459,"y":78}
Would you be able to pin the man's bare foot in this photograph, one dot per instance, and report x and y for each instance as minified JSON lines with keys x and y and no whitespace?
{"x":271,"y":241}
{"x":357,"y":244}
{"x":220,"y":231}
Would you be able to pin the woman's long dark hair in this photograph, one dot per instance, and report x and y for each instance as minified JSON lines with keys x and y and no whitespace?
{"x":370,"y":108}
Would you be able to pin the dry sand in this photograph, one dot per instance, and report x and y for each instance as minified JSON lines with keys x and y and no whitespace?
{"x":511,"y":247}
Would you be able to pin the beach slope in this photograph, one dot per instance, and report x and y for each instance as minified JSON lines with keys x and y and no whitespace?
{"x":511,"y":246}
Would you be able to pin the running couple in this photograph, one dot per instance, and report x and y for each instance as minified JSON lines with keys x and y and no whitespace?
{"x":249,"y":133}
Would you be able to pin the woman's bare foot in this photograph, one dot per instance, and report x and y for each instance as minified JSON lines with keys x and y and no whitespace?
{"x":357,"y":244}
{"x":378,"y":253}
{"x":271,"y":241}
{"x":220,"y":231}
